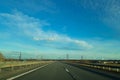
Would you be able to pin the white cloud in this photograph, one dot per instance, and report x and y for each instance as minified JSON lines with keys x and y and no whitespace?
{"x":33,"y":28}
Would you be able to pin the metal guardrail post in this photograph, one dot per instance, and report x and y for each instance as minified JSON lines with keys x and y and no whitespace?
{"x":117,"y":70}
{"x":0,"y":70}
{"x":12,"y":68}
{"x":103,"y":67}
{"x":109,"y":69}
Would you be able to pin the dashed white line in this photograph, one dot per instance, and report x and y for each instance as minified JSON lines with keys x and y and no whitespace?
{"x":25,"y":73}
{"x":73,"y":77}
{"x":67,"y":70}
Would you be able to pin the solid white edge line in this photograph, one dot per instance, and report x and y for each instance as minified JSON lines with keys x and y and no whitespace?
{"x":26,"y":73}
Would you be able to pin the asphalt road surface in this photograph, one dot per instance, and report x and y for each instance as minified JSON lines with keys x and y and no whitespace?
{"x":60,"y":71}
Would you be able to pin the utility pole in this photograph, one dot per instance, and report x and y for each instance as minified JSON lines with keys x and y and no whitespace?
{"x":81,"y":57}
{"x":41,"y":57}
{"x":20,"y":56}
{"x":67,"y":56}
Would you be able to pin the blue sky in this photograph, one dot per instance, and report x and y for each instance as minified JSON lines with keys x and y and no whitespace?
{"x":54,"y":28}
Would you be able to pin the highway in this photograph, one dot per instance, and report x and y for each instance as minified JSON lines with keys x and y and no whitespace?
{"x":61,"y":71}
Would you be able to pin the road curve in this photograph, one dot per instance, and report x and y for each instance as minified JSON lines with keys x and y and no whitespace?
{"x":61,"y":71}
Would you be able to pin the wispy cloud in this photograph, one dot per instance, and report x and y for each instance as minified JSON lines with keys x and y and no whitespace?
{"x":108,"y":11}
{"x":35,"y":6}
{"x":112,"y":11}
{"x":32,"y":27}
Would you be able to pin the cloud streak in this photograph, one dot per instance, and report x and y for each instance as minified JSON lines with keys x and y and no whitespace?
{"x":33,"y":28}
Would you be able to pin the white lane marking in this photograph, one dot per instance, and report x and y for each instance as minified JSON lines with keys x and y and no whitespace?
{"x":26,"y":73}
{"x":73,"y":76}
{"x":67,"y":70}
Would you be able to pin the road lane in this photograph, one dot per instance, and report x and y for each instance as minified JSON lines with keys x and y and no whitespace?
{"x":80,"y":74}
{"x":54,"y":71}
{"x":60,"y":71}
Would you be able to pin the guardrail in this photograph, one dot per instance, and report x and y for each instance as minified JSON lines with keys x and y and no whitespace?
{"x":103,"y":67}
{"x":11,"y":68}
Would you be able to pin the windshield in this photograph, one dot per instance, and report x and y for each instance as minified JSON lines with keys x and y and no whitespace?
{"x":60,"y":39}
